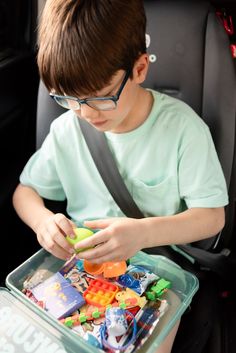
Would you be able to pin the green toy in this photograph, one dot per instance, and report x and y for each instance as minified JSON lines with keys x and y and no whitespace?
{"x":156,"y":290}
{"x":80,"y":234}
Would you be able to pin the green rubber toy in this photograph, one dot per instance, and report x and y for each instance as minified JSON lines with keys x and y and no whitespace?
{"x":80,"y":234}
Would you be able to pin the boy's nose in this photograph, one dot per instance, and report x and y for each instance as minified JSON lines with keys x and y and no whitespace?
{"x":87,"y":113}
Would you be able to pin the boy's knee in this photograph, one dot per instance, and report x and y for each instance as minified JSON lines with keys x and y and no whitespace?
{"x":166,"y":345}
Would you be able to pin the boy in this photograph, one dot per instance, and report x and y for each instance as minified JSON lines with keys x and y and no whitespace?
{"x":92,"y":58}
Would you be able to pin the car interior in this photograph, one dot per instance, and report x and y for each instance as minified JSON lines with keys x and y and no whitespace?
{"x":192,"y":48}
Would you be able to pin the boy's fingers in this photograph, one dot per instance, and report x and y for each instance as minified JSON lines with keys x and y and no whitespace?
{"x":100,"y":223}
{"x":97,"y":254}
{"x":97,"y":239}
{"x":61,"y":253}
{"x":55,"y":248}
{"x":58,"y":238}
{"x":64,"y":224}
{"x":72,"y":224}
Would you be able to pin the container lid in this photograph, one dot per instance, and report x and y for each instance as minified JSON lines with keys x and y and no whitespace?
{"x":21,"y":330}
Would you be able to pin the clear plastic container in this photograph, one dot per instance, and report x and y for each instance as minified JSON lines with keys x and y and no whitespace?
{"x":23,"y":330}
{"x":183,"y":287}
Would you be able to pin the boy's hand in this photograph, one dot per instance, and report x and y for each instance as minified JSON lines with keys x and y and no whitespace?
{"x":51,"y":233}
{"x":118,"y":240}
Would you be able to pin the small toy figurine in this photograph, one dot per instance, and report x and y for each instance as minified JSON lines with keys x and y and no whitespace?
{"x":127,"y":296}
{"x":156,"y":291}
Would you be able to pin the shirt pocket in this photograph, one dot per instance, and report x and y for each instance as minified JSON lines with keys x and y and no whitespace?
{"x":158,"y":199}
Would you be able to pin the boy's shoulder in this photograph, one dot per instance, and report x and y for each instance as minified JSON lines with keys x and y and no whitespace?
{"x":173,"y":111}
{"x":64,"y":129}
{"x":65,"y":118}
{"x":170,"y":103}
{"x":62,"y":125}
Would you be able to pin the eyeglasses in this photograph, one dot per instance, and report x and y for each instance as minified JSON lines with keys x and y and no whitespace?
{"x":98,"y":103}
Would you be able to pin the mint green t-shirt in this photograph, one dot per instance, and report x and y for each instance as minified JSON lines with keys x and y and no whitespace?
{"x":169,"y":164}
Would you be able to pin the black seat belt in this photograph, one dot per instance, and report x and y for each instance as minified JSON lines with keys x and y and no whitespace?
{"x":105,"y":163}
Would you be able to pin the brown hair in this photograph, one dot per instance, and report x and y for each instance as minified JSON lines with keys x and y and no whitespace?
{"x":82,"y":43}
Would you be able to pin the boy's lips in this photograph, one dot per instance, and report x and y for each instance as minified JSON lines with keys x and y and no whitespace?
{"x":98,"y":123}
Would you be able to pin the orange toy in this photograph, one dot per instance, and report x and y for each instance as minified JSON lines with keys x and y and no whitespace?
{"x":93,"y":269}
{"x":109,"y":269}
{"x":100,"y":292}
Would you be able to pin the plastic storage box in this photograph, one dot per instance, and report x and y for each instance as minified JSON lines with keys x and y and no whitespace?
{"x":25,"y":327}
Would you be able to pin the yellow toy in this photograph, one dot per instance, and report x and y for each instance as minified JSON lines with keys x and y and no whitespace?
{"x":127,"y":295}
{"x":80,"y":234}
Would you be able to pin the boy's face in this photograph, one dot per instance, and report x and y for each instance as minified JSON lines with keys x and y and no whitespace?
{"x":132,"y":109}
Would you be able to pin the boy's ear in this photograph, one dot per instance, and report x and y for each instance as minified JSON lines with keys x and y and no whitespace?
{"x":140,"y":68}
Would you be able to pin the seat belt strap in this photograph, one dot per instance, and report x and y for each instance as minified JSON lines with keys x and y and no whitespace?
{"x":105,"y":163}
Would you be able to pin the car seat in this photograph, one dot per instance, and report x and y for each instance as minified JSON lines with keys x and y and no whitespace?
{"x":190,"y":59}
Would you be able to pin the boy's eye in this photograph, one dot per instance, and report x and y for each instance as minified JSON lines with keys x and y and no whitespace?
{"x":107,"y":94}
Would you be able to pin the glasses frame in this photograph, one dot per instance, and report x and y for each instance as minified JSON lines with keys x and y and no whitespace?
{"x":86,"y":101}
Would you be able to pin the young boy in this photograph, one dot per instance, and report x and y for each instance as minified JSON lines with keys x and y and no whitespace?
{"x":92,"y":58}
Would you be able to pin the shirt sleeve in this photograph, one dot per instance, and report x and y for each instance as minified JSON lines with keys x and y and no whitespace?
{"x":41,"y":174}
{"x":201,"y":179}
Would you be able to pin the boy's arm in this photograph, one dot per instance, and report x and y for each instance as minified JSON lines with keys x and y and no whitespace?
{"x":30,"y":206}
{"x":191,"y":225}
{"x":50,"y":228}
{"x":121,"y":238}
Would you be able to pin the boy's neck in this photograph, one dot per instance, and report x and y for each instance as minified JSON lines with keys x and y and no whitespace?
{"x":139,"y":113}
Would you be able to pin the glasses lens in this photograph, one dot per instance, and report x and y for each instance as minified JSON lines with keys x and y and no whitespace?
{"x":67,"y":103}
{"x":103,"y":104}
{"x":106,"y":104}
